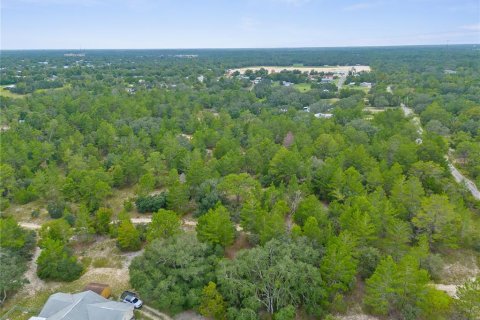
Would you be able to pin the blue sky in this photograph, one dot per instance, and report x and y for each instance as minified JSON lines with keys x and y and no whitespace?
{"x":110,"y":24}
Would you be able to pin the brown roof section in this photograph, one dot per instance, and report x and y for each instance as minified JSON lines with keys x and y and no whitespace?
{"x":96,"y":287}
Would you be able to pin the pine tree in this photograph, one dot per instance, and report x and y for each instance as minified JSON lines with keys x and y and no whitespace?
{"x":102,"y":220}
{"x":165,"y":224}
{"x":128,"y":236}
{"x":83,"y":225}
{"x":212,"y":304}
{"x":339,"y":265}
{"x":469,"y":299}
{"x":380,"y":287}
{"x":216,"y":227}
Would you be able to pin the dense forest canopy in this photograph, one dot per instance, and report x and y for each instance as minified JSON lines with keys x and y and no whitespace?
{"x":333,"y":194}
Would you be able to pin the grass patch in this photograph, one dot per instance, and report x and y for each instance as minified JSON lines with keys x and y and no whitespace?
{"x":107,"y":262}
{"x":364,"y":89}
{"x":115,"y":201}
{"x":23,"y":212}
{"x":303,"y":87}
{"x":67,"y":86}
{"x":86,"y":262}
{"x":140,"y":316}
{"x":8,"y":94}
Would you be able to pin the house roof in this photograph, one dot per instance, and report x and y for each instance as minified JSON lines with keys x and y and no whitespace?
{"x":96,"y":287}
{"x":85,"y":305}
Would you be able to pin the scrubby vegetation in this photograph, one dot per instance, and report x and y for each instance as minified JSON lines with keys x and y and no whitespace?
{"x":321,"y":206}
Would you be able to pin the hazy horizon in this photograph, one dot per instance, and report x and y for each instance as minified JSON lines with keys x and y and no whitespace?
{"x":249,"y":24}
{"x":241,"y":48}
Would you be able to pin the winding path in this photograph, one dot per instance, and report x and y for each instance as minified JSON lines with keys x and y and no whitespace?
{"x":457,"y":175}
{"x":460,"y":178}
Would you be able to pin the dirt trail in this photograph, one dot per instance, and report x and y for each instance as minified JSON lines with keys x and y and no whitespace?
{"x":30,"y":225}
{"x":186,"y":223}
{"x":154,"y":314}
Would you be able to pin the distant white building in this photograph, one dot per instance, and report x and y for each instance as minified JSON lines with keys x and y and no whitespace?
{"x":323,"y":115}
{"x":287,"y":84}
{"x":366,"y":84}
{"x":257,"y":80}
{"x":201,"y":78}
{"x":327,"y":79}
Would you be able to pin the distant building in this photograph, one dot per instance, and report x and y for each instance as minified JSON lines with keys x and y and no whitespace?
{"x":74,"y":54}
{"x":366,"y":84}
{"x":323,"y":115}
{"x":306,"y":109}
{"x":448,"y":71}
{"x":200,"y":78}
{"x":327,"y":78}
{"x":85,"y":305}
{"x":287,"y":84}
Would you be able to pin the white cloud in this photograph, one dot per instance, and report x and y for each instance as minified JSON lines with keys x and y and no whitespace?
{"x":362,"y":6}
{"x":292,"y":2}
{"x":471,"y":27}
{"x":248,"y":24}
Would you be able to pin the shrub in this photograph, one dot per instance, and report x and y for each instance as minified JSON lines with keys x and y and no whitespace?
{"x":35,"y":213}
{"x":128,"y":205}
{"x":102,"y":219}
{"x":151,"y":203}
{"x":70,"y":218}
{"x":58,"y":230}
{"x":24,"y":196}
{"x":433,"y":263}
{"x":56,"y":209}
{"x":286,"y":313}
{"x":56,"y":262}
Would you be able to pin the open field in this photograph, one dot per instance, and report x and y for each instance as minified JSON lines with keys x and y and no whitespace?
{"x":334,"y":69}
{"x":303,"y":87}
{"x":6,"y":93}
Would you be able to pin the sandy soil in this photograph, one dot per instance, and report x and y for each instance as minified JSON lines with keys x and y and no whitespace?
{"x":356,"y":317}
{"x":189,"y":315}
{"x":457,"y":273}
{"x":335,"y":69}
{"x":30,"y":225}
{"x":35,"y":284}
